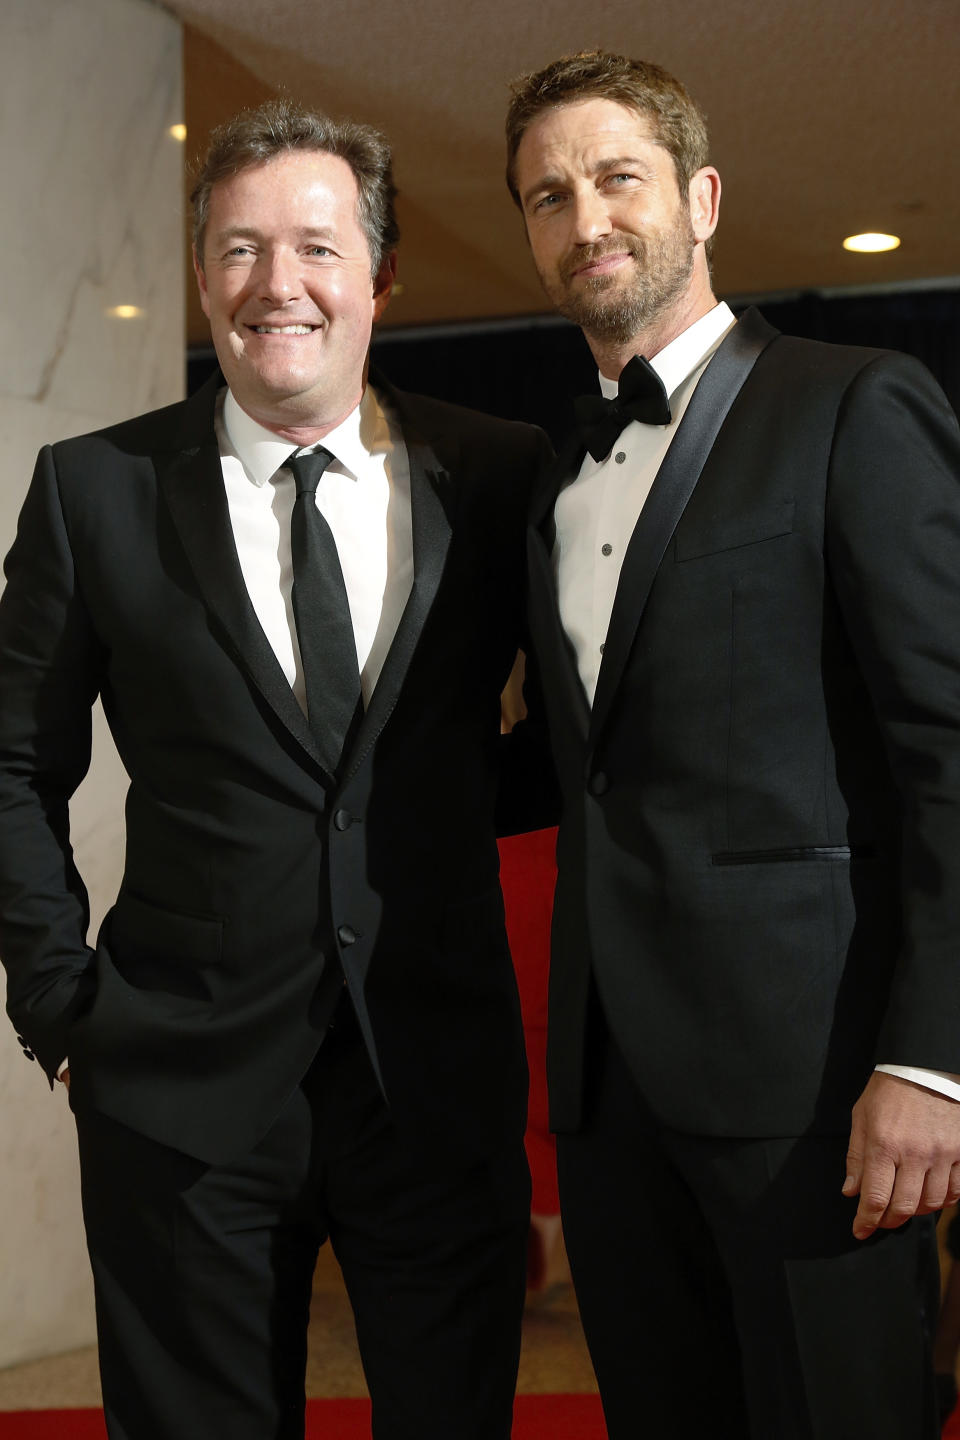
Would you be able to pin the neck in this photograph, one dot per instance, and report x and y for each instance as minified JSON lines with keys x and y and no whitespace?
{"x":304,"y":430}
{"x":611,"y":356}
{"x":305,"y":435}
{"x":297,"y":430}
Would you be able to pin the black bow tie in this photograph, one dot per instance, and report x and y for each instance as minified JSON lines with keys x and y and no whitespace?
{"x":640,"y":396}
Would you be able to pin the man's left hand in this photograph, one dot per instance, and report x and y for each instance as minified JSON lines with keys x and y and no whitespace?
{"x":904,"y":1153}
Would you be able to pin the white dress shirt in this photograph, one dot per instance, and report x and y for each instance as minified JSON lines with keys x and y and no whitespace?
{"x":595,"y":517}
{"x":364,"y":496}
{"x":596,"y":514}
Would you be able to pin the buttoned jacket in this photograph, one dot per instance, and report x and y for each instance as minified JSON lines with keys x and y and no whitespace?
{"x":256,"y":883}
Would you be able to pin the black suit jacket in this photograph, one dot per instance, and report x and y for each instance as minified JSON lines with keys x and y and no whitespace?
{"x":255,"y":880}
{"x":760,"y":851}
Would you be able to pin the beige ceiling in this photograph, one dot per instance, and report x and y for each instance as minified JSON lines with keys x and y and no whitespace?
{"x":827,"y":117}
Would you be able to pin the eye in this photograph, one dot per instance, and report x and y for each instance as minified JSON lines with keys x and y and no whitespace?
{"x":548,"y":202}
{"x":319,"y":250}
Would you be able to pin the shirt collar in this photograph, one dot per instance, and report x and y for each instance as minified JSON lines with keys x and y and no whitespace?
{"x":262,"y":453}
{"x":678,"y":360}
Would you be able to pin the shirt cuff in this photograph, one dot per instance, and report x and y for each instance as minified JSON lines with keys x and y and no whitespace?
{"x":65,"y":1065}
{"x":940,"y":1080}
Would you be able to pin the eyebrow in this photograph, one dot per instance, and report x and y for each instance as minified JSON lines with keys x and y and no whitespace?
{"x":617,"y":162}
{"x":251,"y":232}
{"x":611,"y":162}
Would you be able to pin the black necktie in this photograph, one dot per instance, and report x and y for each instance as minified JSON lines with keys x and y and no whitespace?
{"x":640,"y":396}
{"x":328,"y":648}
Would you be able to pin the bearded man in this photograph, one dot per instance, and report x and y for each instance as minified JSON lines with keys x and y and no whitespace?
{"x":746,"y":612}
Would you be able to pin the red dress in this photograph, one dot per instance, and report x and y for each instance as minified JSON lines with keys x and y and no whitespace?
{"x":528,"y":873}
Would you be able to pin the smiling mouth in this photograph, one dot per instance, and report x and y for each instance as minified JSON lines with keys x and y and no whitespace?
{"x":603,"y":263}
{"x":284,"y":329}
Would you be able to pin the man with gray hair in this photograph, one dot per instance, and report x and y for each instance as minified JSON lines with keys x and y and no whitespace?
{"x":746,"y":611}
{"x":297,"y":594}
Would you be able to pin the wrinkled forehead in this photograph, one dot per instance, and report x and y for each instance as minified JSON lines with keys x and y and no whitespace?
{"x":582,"y":137}
{"x":581,"y":125}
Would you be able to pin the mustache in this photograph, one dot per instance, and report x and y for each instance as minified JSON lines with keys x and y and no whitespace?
{"x":614,"y":244}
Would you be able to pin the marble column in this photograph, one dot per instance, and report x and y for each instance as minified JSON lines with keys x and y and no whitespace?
{"x":91,"y":220}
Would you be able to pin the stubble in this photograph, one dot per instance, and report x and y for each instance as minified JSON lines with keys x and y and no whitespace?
{"x":612,"y":309}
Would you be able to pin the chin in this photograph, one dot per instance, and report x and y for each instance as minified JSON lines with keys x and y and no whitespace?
{"x":285,"y":386}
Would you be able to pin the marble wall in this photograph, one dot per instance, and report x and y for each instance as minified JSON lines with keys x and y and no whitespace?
{"x":91,"y":219}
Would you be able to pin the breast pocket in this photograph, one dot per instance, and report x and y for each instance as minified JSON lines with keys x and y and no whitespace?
{"x":787,"y":853}
{"x":712,"y":535}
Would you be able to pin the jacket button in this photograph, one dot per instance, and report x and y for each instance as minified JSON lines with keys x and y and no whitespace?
{"x":342,"y":820}
{"x":26,"y":1048}
{"x":347,"y":935}
{"x":598,"y":783}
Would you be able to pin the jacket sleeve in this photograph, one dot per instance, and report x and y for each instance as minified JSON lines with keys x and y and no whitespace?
{"x":893,"y":549}
{"x":49,"y":664}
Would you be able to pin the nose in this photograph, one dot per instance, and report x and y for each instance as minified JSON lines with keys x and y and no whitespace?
{"x":279,"y":278}
{"x":591,"y":219}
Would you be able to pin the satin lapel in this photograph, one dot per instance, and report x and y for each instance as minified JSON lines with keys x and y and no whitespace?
{"x":431,"y":500}
{"x":544,"y":499}
{"x":555,"y":654}
{"x":191,"y":482}
{"x":675,"y":483}
{"x":554,"y":651}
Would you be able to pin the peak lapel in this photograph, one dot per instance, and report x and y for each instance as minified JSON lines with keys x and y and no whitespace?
{"x":544,"y":499}
{"x":555,"y":653}
{"x":675,"y":483}
{"x":191,"y":483}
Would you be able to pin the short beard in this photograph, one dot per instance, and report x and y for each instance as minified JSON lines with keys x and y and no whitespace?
{"x":609,"y":311}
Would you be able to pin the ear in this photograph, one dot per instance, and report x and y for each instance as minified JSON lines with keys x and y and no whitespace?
{"x":704,"y":202}
{"x":201,"y":282}
{"x":383,"y":284}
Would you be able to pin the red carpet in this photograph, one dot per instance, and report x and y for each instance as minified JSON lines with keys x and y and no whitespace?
{"x":536,"y":1417}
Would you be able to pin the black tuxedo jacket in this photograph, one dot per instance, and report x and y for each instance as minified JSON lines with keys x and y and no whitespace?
{"x":255,"y":881}
{"x":760,"y":851}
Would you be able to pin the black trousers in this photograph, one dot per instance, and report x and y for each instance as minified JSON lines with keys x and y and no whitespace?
{"x":203,"y":1274}
{"x":722,"y":1292}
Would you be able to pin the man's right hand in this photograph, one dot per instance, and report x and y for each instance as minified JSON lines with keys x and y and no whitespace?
{"x":904,"y":1153}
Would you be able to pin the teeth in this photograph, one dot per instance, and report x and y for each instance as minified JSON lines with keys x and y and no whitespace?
{"x":284,"y":329}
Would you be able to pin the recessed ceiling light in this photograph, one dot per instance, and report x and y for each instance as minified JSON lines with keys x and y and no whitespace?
{"x":125,"y":312}
{"x":871,"y":243}
{"x":179,"y":132}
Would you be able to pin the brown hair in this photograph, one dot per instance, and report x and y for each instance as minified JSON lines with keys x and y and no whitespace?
{"x":598,"y":74}
{"x":256,"y":136}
